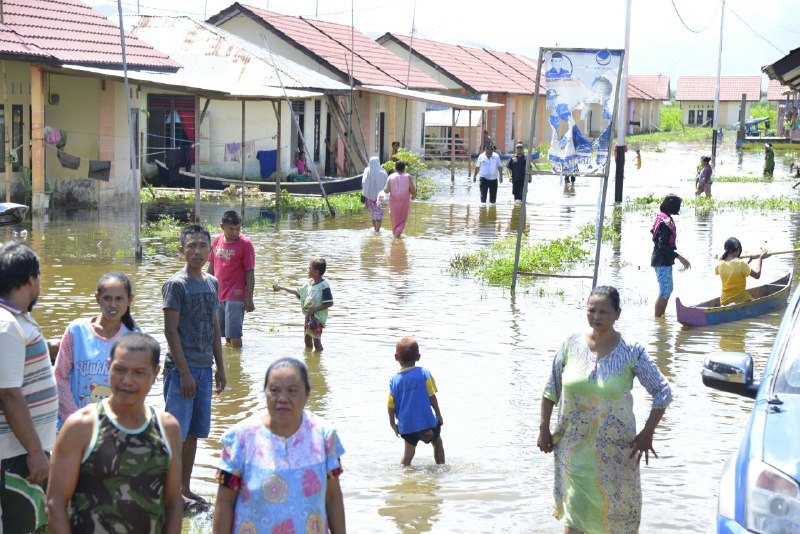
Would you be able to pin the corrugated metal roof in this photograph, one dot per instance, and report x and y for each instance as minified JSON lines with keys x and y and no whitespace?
{"x":369,"y":62}
{"x":69,"y":31}
{"x":211,"y":53}
{"x":776,"y":91}
{"x":703,"y":88}
{"x":654,"y":85}
{"x":479,"y":70}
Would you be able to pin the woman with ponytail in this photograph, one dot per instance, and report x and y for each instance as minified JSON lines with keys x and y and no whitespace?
{"x":734,"y":271}
{"x":81,"y":366}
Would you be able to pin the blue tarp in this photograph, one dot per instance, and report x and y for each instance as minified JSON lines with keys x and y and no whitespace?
{"x":268,"y":159}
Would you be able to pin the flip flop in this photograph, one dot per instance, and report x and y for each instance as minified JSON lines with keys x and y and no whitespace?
{"x":194,"y":507}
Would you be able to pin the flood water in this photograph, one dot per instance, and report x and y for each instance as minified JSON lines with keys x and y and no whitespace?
{"x":489,"y":350}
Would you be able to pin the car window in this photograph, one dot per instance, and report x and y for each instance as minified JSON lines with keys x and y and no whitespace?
{"x":788,"y":379}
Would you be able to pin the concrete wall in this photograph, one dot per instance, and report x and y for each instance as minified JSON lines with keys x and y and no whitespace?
{"x":728,"y":111}
{"x":19,"y":87}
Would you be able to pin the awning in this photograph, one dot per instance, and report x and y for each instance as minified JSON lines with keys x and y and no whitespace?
{"x":786,"y":70}
{"x":431,"y":98}
{"x":212,"y":88}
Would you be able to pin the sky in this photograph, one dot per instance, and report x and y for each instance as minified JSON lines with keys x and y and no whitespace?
{"x":672,"y":37}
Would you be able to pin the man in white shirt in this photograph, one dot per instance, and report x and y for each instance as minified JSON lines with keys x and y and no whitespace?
{"x":28,"y":395}
{"x":491,"y":169}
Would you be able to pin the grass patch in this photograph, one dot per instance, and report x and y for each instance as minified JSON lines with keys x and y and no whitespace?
{"x":495,"y":263}
{"x":685,"y":135}
{"x":703,"y":205}
{"x":741,"y":179}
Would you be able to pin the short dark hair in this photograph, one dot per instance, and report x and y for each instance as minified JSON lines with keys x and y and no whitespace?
{"x":407,"y":350}
{"x":137,"y":341}
{"x":231,"y":217}
{"x":18,"y":263}
{"x":400,"y":166}
{"x":671,"y":204}
{"x":610,"y":292}
{"x":194,"y":229}
{"x":706,"y":159}
{"x":294,"y":364}
{"x":320,"y":265}
{"x":557,"y":55}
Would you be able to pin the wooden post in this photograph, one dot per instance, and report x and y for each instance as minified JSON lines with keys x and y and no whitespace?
{"x":8,"y":133}
{"x":469,"y":146}
{"x":241,"y":156}
{"x":277,"y":109}
{"x":453,"y":146}
{"x":198,"y":123}
{"x":37,"y":138}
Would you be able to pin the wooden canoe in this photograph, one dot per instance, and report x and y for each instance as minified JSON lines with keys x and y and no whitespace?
{"x":765,"y":299}
{"x":332,"y":186}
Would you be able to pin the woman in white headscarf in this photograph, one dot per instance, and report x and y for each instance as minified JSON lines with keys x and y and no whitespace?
{"x":372,"y":183}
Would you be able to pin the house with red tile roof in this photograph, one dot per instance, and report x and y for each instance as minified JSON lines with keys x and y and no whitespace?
{"x":696,"y":95}
{"x":646,"y":92}
{"x":501,"y":77}
{"x":38,"y":38}
{"x":347,"y":55}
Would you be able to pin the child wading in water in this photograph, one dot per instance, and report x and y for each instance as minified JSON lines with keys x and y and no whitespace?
{"x":412,"y":401}
{"x":315,"y":299}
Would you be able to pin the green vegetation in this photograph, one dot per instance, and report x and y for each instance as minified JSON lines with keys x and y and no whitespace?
{"x":740,"y":179}
{"x":691,"y":134}
{"x":495,"y":263}
{"x":671,"y":117}
{"x":703,"y":205}
{"x":414,"y":164}
{"x":763,"y":109}
{"x":300,"y":205}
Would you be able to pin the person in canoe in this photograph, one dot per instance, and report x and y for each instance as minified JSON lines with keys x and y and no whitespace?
{"x":733,"y":271}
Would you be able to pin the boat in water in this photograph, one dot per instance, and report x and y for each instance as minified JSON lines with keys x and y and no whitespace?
{"x":332,"y":186}
{"x":765,"y":299}
{"x":11,"y":213}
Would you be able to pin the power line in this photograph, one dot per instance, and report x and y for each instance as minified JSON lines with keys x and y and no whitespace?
{"x":684,"y":22}
{"x":755,"y":32}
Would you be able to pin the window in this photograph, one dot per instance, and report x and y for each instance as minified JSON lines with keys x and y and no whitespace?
{"x":699,"y":117}
{"x":17,"y":143}
{"x":710,"y":116}
{"x":691,"y":117}
{"x":170,"y":124}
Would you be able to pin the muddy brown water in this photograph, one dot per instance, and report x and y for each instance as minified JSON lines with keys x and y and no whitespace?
{"x":489,"y":350}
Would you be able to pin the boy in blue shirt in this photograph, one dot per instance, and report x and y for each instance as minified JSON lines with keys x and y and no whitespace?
{"x":412,"y":395}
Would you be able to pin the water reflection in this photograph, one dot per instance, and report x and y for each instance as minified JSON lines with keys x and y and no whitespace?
{"x":414,"y":501}
{"x":398,"y":257}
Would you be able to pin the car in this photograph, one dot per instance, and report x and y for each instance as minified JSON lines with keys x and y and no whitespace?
{"x":760,"y":484}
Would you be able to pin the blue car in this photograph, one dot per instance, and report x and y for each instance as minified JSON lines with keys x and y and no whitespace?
{"x":760,"y":486}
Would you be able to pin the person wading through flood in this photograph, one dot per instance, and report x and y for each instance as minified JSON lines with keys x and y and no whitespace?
{"x":665,"y":250}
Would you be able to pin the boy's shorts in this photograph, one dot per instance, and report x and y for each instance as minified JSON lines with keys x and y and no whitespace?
{"x":194,"y":414}
{"x":313,"y":327}
{"x":21,"y":503}
{"x":426,"y":436}
{"x":664,"y":276}
{"x":230,"y":314}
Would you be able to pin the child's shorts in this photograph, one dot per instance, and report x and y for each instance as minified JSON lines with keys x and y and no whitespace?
{"x":313,"y":327}
{"x":426,"y":436}
{"x":664,"y":276}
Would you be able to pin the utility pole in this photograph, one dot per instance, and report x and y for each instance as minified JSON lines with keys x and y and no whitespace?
{"x":716,"y":95}
{"x":622,"y":111}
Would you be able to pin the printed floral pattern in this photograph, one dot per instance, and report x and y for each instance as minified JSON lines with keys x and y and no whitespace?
{"x":288,"y":476}
{"x":596,"y":426}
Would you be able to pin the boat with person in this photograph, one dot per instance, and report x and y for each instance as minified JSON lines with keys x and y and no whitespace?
{"x":765,"y":298}
{"x":11,"y":213}
{"x":332,"y":186}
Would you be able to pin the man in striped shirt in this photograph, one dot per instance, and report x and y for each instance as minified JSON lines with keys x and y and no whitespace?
{"x":28,"y":395}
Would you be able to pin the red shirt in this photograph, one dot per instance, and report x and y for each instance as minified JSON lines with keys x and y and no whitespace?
{"x":231,"y":261}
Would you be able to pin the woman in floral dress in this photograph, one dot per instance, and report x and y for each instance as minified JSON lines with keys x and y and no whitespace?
{"x":279,"y":469}
{"x":597,"y":449}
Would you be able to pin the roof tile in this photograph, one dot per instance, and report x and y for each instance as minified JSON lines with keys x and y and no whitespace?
{"x":69,"y":31}
{"x":371,"y":63}
{"x":703,"y":88}
{"x":656,"y":86}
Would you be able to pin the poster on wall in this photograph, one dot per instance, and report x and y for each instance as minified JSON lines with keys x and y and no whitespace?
{"x":581,"y":95}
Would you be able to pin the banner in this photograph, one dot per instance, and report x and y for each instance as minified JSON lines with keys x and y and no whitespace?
{"x":581,"y":97}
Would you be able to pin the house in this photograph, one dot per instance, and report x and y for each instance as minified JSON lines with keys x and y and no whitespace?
{"x":214,"y":59}
{"x":696,"y":95}
{"x":38,"y":39}
{"x":386,"y":102}
{"x":501,"y":77}
{"x":646,"y":92}
{"x":783,"y":100}
{"x":787,"y":71}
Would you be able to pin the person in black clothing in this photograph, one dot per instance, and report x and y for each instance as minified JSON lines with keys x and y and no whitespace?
{"x":665,"y":250}
{"x":516,"y":166}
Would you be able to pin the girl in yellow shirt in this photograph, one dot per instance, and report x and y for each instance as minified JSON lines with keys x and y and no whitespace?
{"x":734,"y":272}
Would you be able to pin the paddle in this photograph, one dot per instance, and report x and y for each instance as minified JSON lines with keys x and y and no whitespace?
{"x":754,"y":256}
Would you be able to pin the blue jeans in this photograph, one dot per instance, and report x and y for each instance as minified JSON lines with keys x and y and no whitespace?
{"x":193,"y":414}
